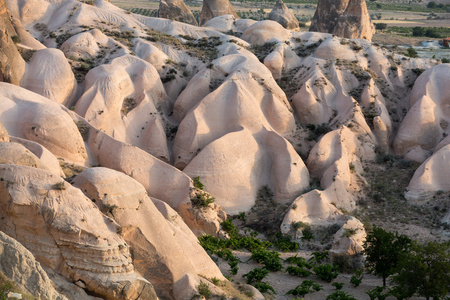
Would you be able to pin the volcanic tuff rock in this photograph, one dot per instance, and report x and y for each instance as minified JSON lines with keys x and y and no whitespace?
{"x":20,"y":266}
{"x":239,"y":113}
{"x":281,"y":14}
{"x":344,"y":18}
{"x":164,"y":250}
{"x":215,"y":8}
{"x":127,"y":100}
{"x":12,"y":65}
{"x":49,"y":74}
{"x":427,"y":121}
{"x":176,"y":10}
{"x":67,"y":233}
{"x":33,"y":117}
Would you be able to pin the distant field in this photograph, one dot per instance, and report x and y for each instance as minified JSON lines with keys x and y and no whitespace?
{"x":304,"y":10}
{"x":136,"y":4}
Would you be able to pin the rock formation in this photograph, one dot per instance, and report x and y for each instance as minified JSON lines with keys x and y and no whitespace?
{"x":245,"y":106}
{"x":50,"y":75}
{"x":127,"y":100}
{"x":215,"y":8}
{"x":344,"y":18}
{"x":67,"y":233}
{"x":176,"y":10}
{"x":430,"y":177}
{"x":12,"y":65}
{"x":164,"y":249}
{"x":20,"y":266}
{"x":281,"y":14}
{"x":427,"y":121}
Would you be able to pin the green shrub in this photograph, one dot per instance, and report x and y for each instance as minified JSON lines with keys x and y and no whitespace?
{"x":203,"y":289}
{"x":256,"y":275}
{"x":411,"y":52}
{"x":233,"y":263}
{"x":229,"y":227}
{"x":340,"y":295}
{"x":307,"y":287}
{"x":264,"y":287}
{"x":445,"y":60}
{"x":297,"y":271}
{"x":261,"y":51}
{"x":326,"y":272}
{"x":270,"y":259}
{"x":15,"y":39}
{"x":319,"y":257}
{"x":356,"y":279}
{"x":348,"y":232}
{"x":432,"y":33}
{"x":197,"y":183}
{"x":338,"y":285}
{"x":418,"y":31}
{"x":299,"y":261}
{"x":59,"y":186}
{"x":202,"y":200}
{"x":380,"y":26}
{"x":377,"y":293}
{"x":285,"y":244}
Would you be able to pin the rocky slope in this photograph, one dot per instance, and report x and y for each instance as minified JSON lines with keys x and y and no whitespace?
{"x":130,"y":108}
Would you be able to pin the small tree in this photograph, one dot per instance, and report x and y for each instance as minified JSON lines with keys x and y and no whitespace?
{"x":380,"y":26}
{"x":411,"y":52}
{"x":431,"y":5}
{"x":425,"y":271}
{"x":384,"y":250}
{"x":418,"y":31}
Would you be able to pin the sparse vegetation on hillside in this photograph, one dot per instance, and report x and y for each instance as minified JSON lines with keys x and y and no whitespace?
{"x":431,"y":32}
{"x":144,"y":11}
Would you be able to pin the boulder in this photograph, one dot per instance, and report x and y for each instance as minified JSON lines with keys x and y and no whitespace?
{"x":349,"y":239}
{"x":348,"y":243}
{"x":344,"y":18}
{"x":176,"y":10}
{"x":281,"y":14}
{"x":313,"y":208}
{"x":215,"y":8}
{"x":200,"y":219}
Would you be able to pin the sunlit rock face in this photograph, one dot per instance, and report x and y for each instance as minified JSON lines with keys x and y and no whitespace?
{"x":344,"y":18}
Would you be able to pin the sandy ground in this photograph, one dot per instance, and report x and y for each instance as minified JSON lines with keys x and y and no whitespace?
{"x":390,"y":39}
{"x":283,"y":282}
